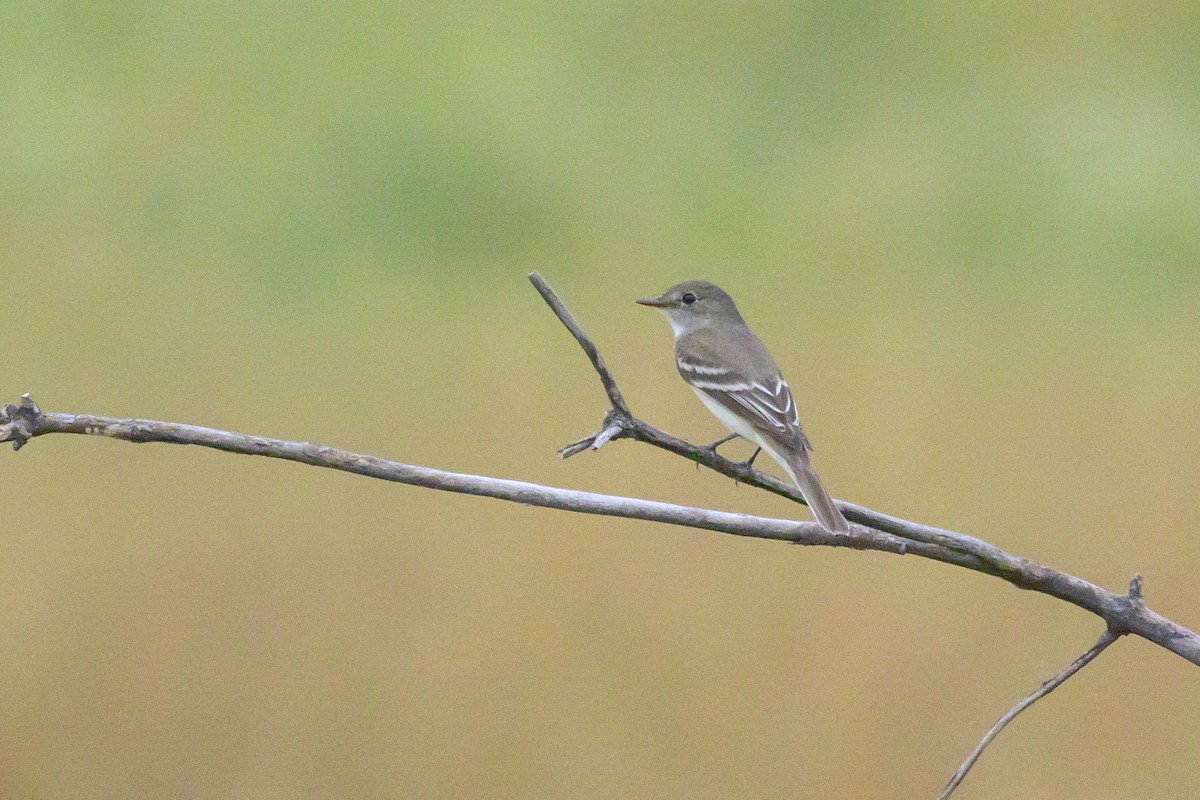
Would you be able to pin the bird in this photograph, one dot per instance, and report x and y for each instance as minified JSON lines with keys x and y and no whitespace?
{"x":736,"y":378}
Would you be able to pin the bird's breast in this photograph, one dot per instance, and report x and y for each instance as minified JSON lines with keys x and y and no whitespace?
{"x":729,"y":419}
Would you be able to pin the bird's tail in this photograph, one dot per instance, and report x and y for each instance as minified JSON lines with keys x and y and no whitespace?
{"x":818,"y":500}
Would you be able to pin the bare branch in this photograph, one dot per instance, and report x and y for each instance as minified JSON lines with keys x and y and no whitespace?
{"x":25,"y":421}
{"x":1119,"y":613}
{"x":1106,"y":638}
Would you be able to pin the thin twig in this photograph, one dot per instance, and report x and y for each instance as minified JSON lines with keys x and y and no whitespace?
{"x":1107,"y":638}
{"x":606,"y":378}
{"x":1121,"y":612}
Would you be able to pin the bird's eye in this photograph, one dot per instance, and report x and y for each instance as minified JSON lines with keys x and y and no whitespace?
{"x":688,"y":299}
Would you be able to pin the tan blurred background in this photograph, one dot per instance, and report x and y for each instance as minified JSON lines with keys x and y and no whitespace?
{"x":970,"y":233}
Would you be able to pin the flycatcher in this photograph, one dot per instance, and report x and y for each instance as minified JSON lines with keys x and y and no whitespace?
{"x":732,"y":373}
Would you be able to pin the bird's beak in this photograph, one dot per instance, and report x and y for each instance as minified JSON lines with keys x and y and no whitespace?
{"x":653,"y":302}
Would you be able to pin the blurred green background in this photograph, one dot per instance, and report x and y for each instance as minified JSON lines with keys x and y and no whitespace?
{"x":970,"y":233}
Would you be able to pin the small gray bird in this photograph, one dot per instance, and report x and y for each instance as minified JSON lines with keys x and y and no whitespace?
{"x":735,"y":377}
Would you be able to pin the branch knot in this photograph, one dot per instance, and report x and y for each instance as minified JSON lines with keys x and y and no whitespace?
{"x":1135,"y":592}
{"x":19,"y":422}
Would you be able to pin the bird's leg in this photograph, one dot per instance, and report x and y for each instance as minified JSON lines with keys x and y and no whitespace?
{"x":749,"y":462}
{"x":712,"y":448}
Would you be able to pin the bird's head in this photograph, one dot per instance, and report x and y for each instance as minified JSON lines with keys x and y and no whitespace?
{"x":693,"y":304}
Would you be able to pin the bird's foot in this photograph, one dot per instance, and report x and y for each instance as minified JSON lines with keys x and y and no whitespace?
{"x":749,"y":462}
{"x":711,"y":449}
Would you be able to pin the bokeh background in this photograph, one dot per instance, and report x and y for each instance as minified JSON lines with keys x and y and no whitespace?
{"x":970,"y":233}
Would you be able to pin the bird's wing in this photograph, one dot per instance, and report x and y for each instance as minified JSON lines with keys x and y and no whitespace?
{"x":766,"y":403}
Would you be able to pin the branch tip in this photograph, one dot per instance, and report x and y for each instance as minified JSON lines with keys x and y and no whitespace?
{"x":613,"y":429}
{"x":578,"y":446}
{"x":18,"y":422}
